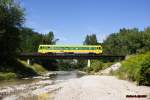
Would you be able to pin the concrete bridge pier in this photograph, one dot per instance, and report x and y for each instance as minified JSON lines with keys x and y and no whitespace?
{"x":89,"y":63}
{"x":29,"y":61}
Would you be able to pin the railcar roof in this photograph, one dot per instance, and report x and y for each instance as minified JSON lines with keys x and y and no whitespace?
{"x":72,"y":45}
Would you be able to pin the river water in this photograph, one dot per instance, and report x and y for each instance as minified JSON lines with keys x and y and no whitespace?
{"x":15,"y":88}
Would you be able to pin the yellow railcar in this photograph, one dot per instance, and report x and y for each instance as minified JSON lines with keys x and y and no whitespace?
{"x":76,"y":49}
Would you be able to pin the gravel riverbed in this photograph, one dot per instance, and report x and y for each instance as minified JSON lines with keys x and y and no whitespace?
{"x":94,"y":87}
{"x":90,"y":87}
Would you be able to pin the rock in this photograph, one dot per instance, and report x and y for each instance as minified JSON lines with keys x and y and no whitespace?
{"x":49,"y":74}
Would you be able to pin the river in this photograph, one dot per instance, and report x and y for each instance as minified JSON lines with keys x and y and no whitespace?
{"x":21,"y":88}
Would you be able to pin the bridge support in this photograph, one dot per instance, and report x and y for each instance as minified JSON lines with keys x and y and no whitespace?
{"x":89,"y":63}
{"x":29,"y":61}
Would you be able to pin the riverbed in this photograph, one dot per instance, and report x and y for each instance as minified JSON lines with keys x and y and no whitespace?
{"x":73,"y":85}
{"x":36,"y":87}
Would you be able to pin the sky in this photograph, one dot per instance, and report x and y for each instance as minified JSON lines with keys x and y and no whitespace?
{"x":72,"y":20}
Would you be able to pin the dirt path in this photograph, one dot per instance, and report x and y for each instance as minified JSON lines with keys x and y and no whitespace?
{"x":94,"y":87}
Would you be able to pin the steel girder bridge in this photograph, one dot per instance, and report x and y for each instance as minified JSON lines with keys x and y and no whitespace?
{"x":69,"y":56}
{"x":29,"y":56}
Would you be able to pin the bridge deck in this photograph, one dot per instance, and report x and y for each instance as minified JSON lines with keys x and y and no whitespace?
{"x":68,"y":56}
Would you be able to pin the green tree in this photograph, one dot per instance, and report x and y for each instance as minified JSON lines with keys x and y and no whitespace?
{"x":30,"y":40}
{"x":11,"y":19}
{"x":90,"y":40}
{"x":49,"y":38}
{"x":127,"y":41}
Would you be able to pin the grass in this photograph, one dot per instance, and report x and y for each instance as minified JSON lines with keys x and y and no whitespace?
{"x":36,"y":67}
{"x":7,"y":75}
{"x":19,"y":69}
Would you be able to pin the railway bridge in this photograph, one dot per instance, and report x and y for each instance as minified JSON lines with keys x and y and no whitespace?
{"x":88,"y":57}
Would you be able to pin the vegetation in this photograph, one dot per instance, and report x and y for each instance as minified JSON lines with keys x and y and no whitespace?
{"x":127,"y":41}
{"x":11,"y":19}
{"x":6,"y":76}
{"x":39,"y":69}
{"x":96,"y":66}
{"x":30,"y":40}
{"x":90,"y":40}
{"x":22,"y":69}
{"x":136,"y":68}
{"x":15,"y":39}
{"x":134,"y":43}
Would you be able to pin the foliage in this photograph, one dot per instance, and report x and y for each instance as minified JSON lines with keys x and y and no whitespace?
{"x":127,"y":41}
{"x":136,"y":68}
{"x":11,"y":19}
{"x":81,"y":63}
{"x":90,"y":40}
{"x":49,"y":38}
{"x":66,"y":65}
{"x":19,"y":69}
{"x":145,"y":71}
{"x":30,"y":40}
{"x":96,"y":66}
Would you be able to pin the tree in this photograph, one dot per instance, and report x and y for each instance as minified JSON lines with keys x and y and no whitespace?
{"x":11,"y":19}
{"x":90,"y":40}
{"x":49,"y":38}
{"x":127,"y":41}
{"x":30,"y":40}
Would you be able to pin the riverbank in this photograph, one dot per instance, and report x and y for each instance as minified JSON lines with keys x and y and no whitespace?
{"x":64,"y":87}
{"x":36,"y":87}
{"x":20,"y":69}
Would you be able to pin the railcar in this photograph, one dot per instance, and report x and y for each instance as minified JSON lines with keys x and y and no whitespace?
{"x":70,"y":49}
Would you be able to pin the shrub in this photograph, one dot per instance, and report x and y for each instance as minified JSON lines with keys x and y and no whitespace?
{"x":144,"y":78}
{"x":96,"y":66}
{"x":136,"y":68}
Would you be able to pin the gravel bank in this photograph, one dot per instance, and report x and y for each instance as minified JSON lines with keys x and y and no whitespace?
{"x":94,"y":87}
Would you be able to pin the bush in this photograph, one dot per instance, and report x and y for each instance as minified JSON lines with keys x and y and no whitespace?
{"x":145,"y":72}
{"x":96,"y":66}
{"x":136,"y":68}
